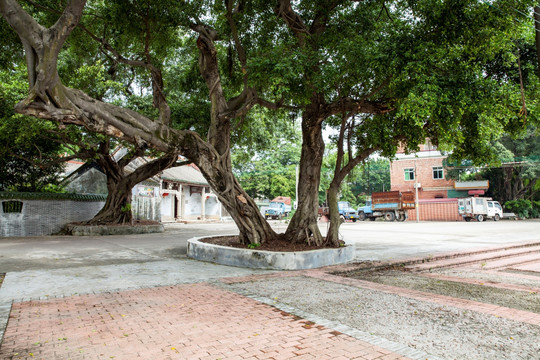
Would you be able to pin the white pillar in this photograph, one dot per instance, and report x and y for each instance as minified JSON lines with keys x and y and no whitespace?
{"x":203,"y":203}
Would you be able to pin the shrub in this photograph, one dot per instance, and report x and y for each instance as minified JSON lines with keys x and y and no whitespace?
{"x":520,"y":207}
{"x":535,"y":212}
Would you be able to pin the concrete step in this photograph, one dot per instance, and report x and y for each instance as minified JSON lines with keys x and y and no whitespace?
{"x":476,"y":258}
{"x":507,"y":261}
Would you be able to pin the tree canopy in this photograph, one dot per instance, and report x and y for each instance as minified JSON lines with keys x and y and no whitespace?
{"x":383,"y":73}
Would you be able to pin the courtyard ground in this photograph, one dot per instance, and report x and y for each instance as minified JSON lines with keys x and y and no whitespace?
{"x":469,"y":294}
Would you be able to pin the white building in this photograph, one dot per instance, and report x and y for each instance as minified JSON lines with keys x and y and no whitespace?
{"x":185,"y":196}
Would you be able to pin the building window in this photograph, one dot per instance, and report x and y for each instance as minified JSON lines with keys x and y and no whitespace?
{"x":409,"y":174}
{"x":438,"y":173}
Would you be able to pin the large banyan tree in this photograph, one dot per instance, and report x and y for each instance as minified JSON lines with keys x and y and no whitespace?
{"x":384,"y":72}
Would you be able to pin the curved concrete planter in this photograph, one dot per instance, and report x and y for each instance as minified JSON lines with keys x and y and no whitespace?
{"x":225,"y":255}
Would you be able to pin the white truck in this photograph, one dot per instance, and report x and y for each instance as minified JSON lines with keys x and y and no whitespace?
{"x":480,"y":209}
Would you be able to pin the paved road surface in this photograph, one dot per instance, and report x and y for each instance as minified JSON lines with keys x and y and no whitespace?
{"x":377,"y":240}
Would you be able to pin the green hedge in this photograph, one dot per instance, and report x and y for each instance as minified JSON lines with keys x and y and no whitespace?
{"x":51,"y":196}
{"x":523,"y":208}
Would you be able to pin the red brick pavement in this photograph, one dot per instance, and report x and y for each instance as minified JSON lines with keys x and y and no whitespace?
{"x":196,"y":321}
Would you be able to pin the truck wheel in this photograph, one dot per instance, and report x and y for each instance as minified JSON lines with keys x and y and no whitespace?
{"x":401,"y":217}
{"x":342,"y":218}
{"x":480,"y":217}
{"x":467,"y":219}
{"x":373,"y":218}
{"x":496,"y":217}
{"x":389,"y":216}
{"x":280,"y":216}
{"x":362,"y":216}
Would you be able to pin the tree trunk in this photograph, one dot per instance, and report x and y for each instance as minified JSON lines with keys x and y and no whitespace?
{"x":332,"y":236}
{"x":303,"y":226}
{"x":217,"y":170}
{"x":117,"y":208}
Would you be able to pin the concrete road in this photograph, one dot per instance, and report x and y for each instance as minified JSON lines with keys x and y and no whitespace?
{"x":53,"y":252}
{"x":380,"y":240}
{"x":377,"y":240}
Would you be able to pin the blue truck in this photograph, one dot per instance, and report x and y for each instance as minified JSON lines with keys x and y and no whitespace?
{"x":392,"y":205}
{"x":279,"y":208}
{"x":346,"y":212}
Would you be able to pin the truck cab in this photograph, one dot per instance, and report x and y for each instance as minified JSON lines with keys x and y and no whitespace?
{"x":346,"y":212}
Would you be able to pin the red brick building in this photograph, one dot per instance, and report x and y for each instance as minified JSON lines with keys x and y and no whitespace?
{"x":424,"y":170}
{"x":437,"y":197}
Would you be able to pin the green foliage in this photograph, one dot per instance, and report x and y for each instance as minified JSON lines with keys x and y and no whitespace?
{"x":272,"y":172}
{"x":514,"y":171}
{"x":521,"y":207}
{"x":26,"y":142}
{"x":371,"y":176}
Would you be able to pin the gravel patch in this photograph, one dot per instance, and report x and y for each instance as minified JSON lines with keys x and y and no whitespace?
{"x":521,"y":300}
{"x":442,"y":331}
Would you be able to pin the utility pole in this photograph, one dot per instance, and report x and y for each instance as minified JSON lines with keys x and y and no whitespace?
{"x":416,"y":193}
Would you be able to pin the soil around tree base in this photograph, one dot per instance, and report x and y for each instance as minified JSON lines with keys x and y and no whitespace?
{"x":274,"y":245}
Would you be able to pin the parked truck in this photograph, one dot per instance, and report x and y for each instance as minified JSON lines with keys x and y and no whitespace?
{"x":480,"y":209}
{"x":346,"y":212}
{"x":279,"y":208}
{"x":392,"y":205}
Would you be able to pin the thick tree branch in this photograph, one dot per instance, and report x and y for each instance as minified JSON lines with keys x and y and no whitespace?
{"x":67,"y":21}
{"x":155,"y":166}
{"x":25,"y":25}
{"x":132,"y":155}
{"x":285,"y":11}
{"x":234,"y":31}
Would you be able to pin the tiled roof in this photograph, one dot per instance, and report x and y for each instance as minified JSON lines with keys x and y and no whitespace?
{"x":184,"y":174}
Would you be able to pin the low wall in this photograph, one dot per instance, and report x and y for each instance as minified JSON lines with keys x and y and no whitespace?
{"x":436,"y":210}
{"x":36,"y":214}
{"x":146,"y":208}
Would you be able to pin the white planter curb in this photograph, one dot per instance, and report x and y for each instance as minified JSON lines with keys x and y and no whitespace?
{"x":252,"y":258}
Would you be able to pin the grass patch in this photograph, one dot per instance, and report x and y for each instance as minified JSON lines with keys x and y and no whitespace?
{"x":521,"y":300}
{"x":2,"y":276}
